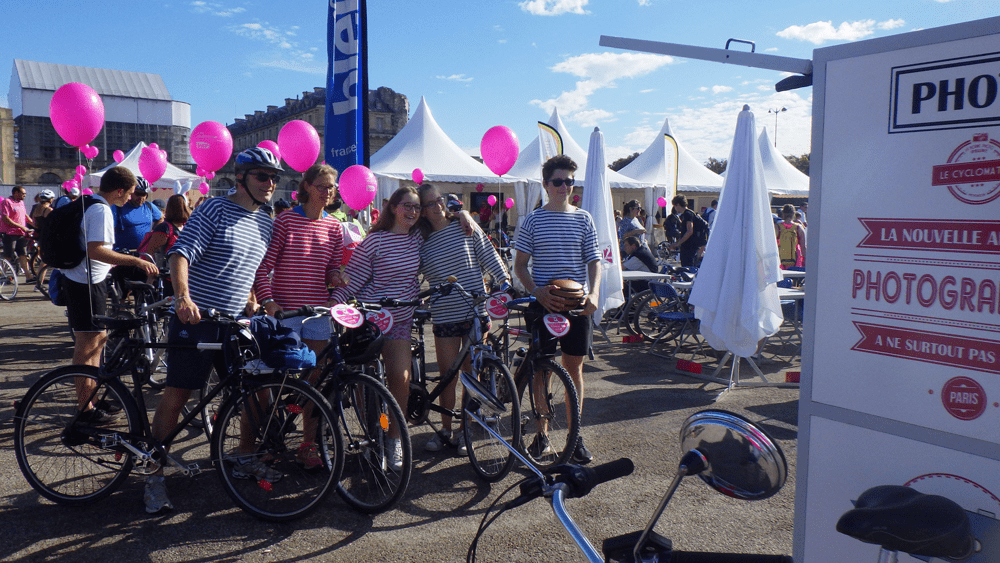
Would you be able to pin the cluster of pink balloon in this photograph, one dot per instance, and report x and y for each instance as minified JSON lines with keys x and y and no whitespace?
{"x":90,"y":152}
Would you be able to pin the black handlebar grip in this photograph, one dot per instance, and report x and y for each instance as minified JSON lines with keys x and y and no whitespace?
{"x":709,"y":557}
{"x":610,"y":471}
{"x":303,"y":311}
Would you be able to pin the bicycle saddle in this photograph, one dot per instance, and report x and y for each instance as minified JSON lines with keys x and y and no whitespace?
{"x":902,"y":519}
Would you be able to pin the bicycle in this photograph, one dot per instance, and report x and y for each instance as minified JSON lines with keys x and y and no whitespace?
{"x":547,"y":397}
{"x":489,"y":459}
{"x":728,"y":452}
{"x":74,"y":461}
{"x":8,"y":280}
{"x":353,"y":380}
{"x":647,"y":306}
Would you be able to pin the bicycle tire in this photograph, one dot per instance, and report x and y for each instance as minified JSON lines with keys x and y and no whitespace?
{"x":367,"y":413}
{"x":210,"y":412}
{"x":491,"y":459}
{"x":262,"y":425}
{"x":647,"y":323}
{"x":158,"y":361}
{"x":63,"y":461}
{"x":8,"y":280}
{"x":552,"y":410}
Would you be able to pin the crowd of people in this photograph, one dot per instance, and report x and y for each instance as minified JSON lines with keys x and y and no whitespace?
{"x":230,"y":255}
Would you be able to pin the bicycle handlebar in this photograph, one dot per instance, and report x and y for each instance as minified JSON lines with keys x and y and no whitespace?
{"x":576,"y":480}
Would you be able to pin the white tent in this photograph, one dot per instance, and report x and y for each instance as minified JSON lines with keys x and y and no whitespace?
{"x":780,"y":177}
{"x":423,"y":144}
{"x":692,"y":176}
{"x":169,"y":181}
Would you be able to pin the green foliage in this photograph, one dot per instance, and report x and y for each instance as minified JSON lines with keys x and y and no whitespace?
{"x":800,"y":162}
{"x":717,"y":166}
{"x":622,"y":162}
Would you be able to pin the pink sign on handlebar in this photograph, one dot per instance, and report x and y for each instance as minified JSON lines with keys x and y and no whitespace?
{"x":495,"y":305}
{"x":346,"y":315}
{"x":382,"y":319}
{"x":557,"y":324}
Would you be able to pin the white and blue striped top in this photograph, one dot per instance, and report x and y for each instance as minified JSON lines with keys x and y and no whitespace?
{"x":224,"y":244}
{"x":561,"y":244}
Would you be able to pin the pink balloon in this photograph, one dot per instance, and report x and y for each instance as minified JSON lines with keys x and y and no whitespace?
{"x":271,"y":146}
{"x":418,"y":176}
{"x":152,"y":164}
{"x":211,"y":145}
{"x":118,"y":156}
{"x":492,"y":200}
{"x":295,"y":196}
{"x":203,"y":188}
{"x":78,"y":177}
{"x":576,"y":199}
{"x":358,"y":186}
{"x":81,"y":170}
{"x":499,"y":149}
{"x":661,"y":201}
{"x":88,"y":191}
{"x":479,"y":187}
{"x":299,"y":144}
{"x":77,"y":113}
{"x":155,"y":146}
{"x":92,"y":154}
{"x":199,"y":171}
{"x":209,"y":175}
{"x":509,"y":203}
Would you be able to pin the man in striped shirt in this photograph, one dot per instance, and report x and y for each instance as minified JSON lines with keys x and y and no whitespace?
{"x":561,"y":242}
{"x":212,"y":266}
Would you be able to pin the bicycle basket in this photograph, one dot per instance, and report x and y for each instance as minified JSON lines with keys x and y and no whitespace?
{"x":361,"y":345}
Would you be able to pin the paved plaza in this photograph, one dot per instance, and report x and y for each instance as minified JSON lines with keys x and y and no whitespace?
{"x":635,"y":405}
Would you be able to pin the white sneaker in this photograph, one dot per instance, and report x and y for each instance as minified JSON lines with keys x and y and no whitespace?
{"x":436,"y":443}
{"x":463,"y":451}
{"x":255,"y":468}
{"x":396,"y":454}
{"x":155,"y":495}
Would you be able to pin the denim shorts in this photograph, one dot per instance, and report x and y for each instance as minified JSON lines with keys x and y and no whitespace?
{"x":309,"y":328}
{"x":459,"y":329}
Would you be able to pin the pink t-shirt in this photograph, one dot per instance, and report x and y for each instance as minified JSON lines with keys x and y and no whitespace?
{"x":15,"y":210}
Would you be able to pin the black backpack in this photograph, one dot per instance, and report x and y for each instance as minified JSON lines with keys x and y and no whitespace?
{"x":59,"y":238}
{"x":700,"y":234}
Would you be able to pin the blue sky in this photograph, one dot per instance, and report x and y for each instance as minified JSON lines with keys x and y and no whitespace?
{"x":481,"y":63}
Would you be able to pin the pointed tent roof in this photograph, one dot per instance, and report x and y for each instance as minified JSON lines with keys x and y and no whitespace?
{"x":529,"y":161}
{"x":131,"y":161}
{"x":692,"y":176}
{"x":423,"y":144}
{"x":780,"y":177}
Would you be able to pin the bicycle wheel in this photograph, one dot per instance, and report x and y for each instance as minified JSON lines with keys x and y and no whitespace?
{"x":64,"y":460}
{"x":8,"y":280}
{"x":210,"y":412}
{"x":490,"y":457}
{"x":647,"y":321}
{"x":254,"y":446}
{"x":369,"y":416}
{"x":158,"y":356}
{"x":550,"y":414}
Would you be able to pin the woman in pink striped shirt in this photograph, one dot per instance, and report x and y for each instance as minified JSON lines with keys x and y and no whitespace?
{"x":303,"y":259}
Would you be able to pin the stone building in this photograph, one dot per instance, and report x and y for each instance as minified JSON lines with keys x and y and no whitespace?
{"x":388,"y":113}
{"x":137,"y":107}
{"x":6,"y":146}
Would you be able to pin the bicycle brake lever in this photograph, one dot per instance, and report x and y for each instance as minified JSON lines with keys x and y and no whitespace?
{"x":530,"y":490}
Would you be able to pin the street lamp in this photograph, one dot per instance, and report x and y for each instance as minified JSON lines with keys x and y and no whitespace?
{"x":776,"y":112}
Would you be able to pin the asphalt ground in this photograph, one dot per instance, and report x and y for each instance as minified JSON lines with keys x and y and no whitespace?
{"x":635,"y":405}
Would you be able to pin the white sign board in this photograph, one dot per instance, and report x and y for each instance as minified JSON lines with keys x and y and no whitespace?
{"x":902,"y":366}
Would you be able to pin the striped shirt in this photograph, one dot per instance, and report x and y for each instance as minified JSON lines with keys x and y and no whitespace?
{"x":385,"y":264}
{"x":302,"y":252}
{"x":224,"y":244}
{"x":449,"y":252}
{"x":561,"y":244}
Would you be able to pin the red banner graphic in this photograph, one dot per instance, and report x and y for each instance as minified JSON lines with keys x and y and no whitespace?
{"x":936,"y":348}
{"x":946,"y":235}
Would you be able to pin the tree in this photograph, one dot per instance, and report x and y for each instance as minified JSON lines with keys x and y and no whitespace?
{"x":622,"y":162}
{"x":800,"y":162}
{"x":717,"y":166}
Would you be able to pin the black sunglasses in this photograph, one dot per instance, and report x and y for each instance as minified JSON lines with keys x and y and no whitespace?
{"x":264,"y":177}
{"x":560,"y":181}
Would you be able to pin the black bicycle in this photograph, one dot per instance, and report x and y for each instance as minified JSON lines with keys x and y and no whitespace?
{"x":74,"y":460}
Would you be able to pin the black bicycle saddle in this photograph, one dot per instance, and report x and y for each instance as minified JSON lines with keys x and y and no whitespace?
{"x":902,"y":519}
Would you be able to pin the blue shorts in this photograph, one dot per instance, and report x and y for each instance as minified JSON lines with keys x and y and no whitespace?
{"x":316,"y":328}
{"x":188,"y":368}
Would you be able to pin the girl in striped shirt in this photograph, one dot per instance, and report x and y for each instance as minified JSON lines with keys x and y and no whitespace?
{"x":447,"y":251}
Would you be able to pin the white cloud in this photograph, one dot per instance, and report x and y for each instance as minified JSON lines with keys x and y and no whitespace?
{"x":592,"y":117}
{"x":645,"y":2}
{"x":597,"y":71}
{"x":721,"y":89}
{"x":285,"y":45}
{"x":554,"y":7}
{"x":647,"y":90}
{"x":821,"y":32}
{"x":455,"y":77}
{"x":305,"y":66}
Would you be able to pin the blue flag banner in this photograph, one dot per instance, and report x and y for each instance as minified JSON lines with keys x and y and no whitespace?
{"x":344,"y":116}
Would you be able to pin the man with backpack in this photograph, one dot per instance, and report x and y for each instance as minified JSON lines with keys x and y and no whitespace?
{"x":83,"y":284}
{"x":693,"y":229}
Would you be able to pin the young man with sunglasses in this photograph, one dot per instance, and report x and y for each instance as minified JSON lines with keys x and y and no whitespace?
{"x":212,"y":266}
{"x":561,"y":242}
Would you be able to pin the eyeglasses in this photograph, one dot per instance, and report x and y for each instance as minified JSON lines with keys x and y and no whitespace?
{"x":327,"y":188}
{"x":433,"y":202}
{"x":411,"y":207}
{"x":560,"y":181}
{"x":264,"y":177}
